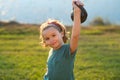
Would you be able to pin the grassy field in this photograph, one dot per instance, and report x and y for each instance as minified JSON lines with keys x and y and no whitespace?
{"x":22,"y":58}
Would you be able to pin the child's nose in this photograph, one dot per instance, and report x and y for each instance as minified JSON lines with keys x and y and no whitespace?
{"x":51,"y":40}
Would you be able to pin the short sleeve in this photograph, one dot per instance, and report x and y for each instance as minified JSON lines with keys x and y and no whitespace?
{"x":68,"y":52}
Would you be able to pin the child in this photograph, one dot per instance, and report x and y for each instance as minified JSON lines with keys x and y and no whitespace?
{"x":61,"y":56}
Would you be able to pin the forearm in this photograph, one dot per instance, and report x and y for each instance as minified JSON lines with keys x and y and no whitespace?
{"x":76,"y":25}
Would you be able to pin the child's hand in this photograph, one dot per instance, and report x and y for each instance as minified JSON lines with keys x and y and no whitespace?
{"x":77,"y":3}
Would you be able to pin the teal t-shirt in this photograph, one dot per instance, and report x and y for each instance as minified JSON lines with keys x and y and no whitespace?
{"x":60,"y":64}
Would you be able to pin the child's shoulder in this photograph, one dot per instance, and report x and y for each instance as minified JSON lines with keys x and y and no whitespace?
{"x":65,"y":46}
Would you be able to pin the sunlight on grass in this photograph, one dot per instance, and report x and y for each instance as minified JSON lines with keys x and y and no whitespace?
{"x":22,"y":57}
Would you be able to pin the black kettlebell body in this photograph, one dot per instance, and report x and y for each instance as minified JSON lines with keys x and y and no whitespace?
{"x":83,"y":14}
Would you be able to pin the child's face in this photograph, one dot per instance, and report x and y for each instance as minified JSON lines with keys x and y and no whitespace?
{"x":53,"y":37}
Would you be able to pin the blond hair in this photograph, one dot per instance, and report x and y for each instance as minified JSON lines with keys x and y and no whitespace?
{"x":55,"y":24}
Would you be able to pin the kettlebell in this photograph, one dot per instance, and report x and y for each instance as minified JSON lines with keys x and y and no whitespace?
{"x":83,"y":13}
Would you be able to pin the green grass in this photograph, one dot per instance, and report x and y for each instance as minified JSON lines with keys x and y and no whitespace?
{"x":22,"y":58}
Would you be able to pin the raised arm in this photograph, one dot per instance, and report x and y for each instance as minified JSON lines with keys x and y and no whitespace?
{"x":76,"y":26}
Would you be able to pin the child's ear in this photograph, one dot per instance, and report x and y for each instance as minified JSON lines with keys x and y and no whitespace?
{"x":62,"y":34}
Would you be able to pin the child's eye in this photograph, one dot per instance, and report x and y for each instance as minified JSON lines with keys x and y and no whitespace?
{"x":53,"y":35}
{"x":46,"y":38}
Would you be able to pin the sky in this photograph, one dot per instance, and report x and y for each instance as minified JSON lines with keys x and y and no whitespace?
{"x":38,"y":11}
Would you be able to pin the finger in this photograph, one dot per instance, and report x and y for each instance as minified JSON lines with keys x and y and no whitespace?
{"x":78,"y":2}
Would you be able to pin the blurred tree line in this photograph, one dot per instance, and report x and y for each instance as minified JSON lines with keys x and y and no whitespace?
{"x":100,"y":21}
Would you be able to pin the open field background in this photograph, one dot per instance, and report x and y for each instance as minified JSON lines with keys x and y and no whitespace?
{"x":22,"y":58}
